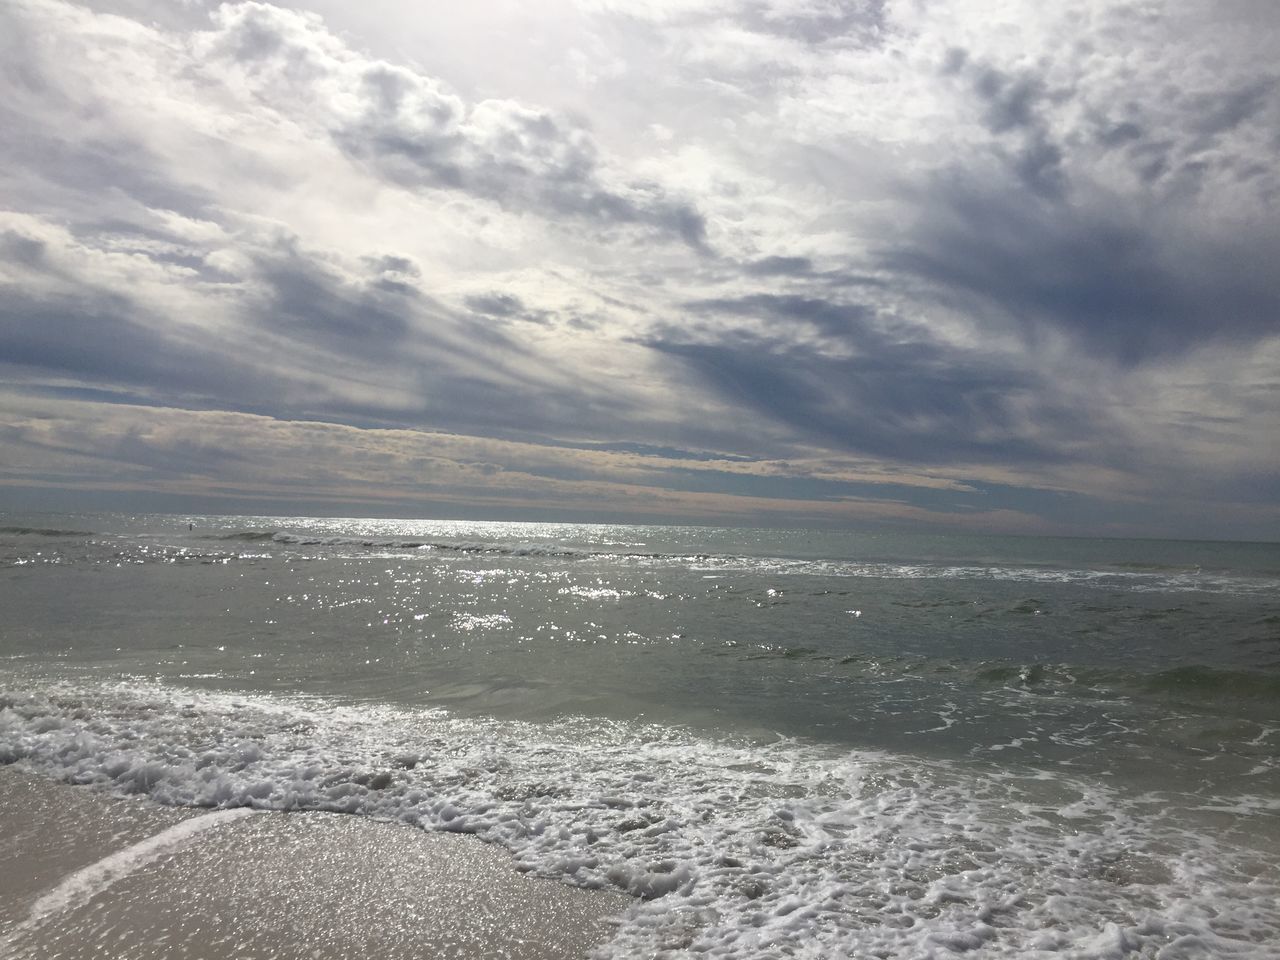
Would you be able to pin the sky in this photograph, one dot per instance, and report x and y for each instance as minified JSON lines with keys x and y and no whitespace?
{"x":955,"y":265}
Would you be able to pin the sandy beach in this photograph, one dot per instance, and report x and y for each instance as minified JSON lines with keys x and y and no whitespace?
{"x":84,"y":874}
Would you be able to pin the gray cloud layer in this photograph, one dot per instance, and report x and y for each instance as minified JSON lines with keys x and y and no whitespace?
{"x":841,"y":247}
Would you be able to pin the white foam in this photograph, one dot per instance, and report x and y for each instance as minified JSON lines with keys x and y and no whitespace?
{"x":736,"y":849}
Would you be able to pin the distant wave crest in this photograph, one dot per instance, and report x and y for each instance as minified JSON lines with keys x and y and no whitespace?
{"x":44,"y":532}
{"x":1139,"y":578}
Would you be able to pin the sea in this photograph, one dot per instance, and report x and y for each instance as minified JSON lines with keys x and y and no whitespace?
{"x":780,"y":743}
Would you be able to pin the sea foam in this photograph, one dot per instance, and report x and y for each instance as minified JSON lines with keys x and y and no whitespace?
{"x":732,"y":848}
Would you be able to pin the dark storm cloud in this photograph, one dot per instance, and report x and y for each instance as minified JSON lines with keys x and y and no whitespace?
{"x":1183,"y":154}
{"x":92,"y":337}
{"x":1100,"y":216}
{"x":830,"y":317}
{"x":462,"y":372}
{"x":390,"y":264}
{"x":496,"y":305}
{"x":1011,"y":105}
{"x":304,"y":319}
{"x":867,"y":392}
{"x":27,"y":251}
{"x":108,"y":335}
{"x":538,"y":174}
{"x":1108,"y":278}
{"x":1223,"y":112}
{"x":312,"y":304}
{"x":1186,"y":137}
{"x":792,"y":268}
{"x":291,"y":316}
{"x":111,"y":339}
{"x":79,"y":332}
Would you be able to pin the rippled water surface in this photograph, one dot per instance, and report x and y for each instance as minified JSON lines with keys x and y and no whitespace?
{"x":743,"y":726}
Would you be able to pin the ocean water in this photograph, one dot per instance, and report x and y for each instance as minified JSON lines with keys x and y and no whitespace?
{"x":782,"y":743}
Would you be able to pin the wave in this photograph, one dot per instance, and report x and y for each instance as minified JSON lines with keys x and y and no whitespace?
{"x":1132,"y":581}
{"x":1191,"y":682}
{"x":397,"y":543}
{"x":249,"y":536}
{"x":465,"y":547}
{"x":1212,"y":682}
{"x":1138,"y":578}
{"x":734,"y":849}
{"x":44,"y":532}
{"x":133,"y":555}
{"x":1153,"y":567}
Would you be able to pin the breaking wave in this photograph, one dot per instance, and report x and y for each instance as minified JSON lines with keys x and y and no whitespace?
{"x":733,"y":848}
{"x":44,"y":532}
{"x":1126,"y":577}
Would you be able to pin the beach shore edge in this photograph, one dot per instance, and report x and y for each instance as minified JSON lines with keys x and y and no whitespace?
{"x":84,"y":873}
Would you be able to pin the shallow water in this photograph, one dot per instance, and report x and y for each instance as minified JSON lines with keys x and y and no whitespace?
{"x":787,"y":742}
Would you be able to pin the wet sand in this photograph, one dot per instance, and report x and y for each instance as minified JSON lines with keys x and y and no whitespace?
{"x":87,"y":875}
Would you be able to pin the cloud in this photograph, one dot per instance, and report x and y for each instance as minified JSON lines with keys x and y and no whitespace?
{"x":273,"y":326}
{"x":833,"y":318}
{"x":412,"y":130}
{"x":1013,"y":110}
{"x":1092,"y":207}
{"x":826,"y":22}
{"x":505,"y":306}
{"x":257,"y":460}
{"x":780,"y":266}
{"x":884,"y":259}
{"x":872,"y":394}
{"x":1105,"y":276}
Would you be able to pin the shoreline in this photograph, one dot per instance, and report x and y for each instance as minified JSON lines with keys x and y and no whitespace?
{"x":84,"y":873}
